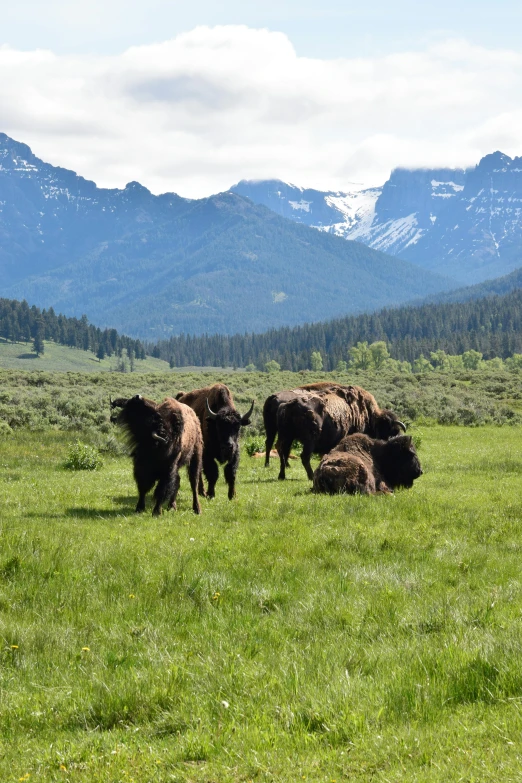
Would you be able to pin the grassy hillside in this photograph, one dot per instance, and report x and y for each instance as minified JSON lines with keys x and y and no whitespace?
{"x":280,"y":637}
{"x":61,"y":358}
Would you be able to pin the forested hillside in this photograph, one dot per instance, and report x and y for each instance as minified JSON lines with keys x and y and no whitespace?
{"x":21,"y":323}
{"x":492,"y":325}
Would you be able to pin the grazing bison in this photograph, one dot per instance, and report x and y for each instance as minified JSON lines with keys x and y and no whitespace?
{"x":320,"y":419}
{"x":220,"y":425}
{"x":162,"y":439}
{"x":271,"y":407}
{"x":365,"y":465}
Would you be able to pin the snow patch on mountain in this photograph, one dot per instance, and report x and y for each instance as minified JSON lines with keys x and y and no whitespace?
{"x":304,"y":205}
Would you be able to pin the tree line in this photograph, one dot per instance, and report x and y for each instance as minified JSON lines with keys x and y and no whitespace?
{"x":492,"y":326}
{"x":21,"y":323}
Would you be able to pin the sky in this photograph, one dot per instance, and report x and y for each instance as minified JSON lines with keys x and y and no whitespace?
{"x":193,"y":97}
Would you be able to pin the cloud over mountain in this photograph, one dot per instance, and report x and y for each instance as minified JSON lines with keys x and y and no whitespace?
{"x":216,"y":105}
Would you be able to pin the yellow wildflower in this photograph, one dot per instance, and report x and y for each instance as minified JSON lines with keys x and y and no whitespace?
{"x":86,"y":649}
{"x":14,"y":647}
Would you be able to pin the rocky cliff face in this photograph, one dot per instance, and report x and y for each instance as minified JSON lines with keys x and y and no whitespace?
{"x":479,"y":234}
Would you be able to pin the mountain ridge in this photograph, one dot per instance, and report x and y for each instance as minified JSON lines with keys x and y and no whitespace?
{"x":156,"y":265}
{"x":465,"y":223}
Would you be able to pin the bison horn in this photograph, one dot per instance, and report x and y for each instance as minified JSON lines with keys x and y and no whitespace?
{"x":402,"y":425}
{"x":210,"y":411}
{"x":110,"y":401}
{"x":158,"y":437}
{"x":246,"y":417}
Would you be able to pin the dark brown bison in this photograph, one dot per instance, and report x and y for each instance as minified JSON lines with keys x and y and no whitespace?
{"x":320,"y":419}
{"x":271,"y":407}
{"x":220,"y":425}
{"x":162,"y":438}
{"x":365,"y":465}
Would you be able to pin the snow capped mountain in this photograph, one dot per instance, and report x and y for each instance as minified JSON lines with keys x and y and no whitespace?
{"x":465,"y":224}
{"x":49,"y":214}
{"x":478,"y":234}
{"x":156,"y":265}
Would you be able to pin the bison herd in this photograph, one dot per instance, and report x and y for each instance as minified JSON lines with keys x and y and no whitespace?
{"x":362,"y":446}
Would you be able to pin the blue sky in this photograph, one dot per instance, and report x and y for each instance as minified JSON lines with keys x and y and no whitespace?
{"x":323,"y":28}
{"x":191,"y":97}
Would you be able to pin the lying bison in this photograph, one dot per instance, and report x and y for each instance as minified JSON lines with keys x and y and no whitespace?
{"x":365,"y":465}
{"x":220,"y":425}
{"x":162,"y":438}
{"x":320,"y":419}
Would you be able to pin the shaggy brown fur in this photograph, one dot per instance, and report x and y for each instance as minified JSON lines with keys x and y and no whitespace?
{"x":320,"y":419}
{"x":364,"y":465}
{"x":162,"y":438}
{"x":220,"y":427}
{"x":365,"y":414}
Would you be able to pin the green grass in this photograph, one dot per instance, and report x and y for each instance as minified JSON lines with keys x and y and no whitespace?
{"x":279,"y":637}
{"x":61,"y":358}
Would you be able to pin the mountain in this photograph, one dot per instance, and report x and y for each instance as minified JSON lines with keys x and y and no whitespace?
{"x":466,"y":224}
{"x":496,"y":287}
{"x":158,"y":265}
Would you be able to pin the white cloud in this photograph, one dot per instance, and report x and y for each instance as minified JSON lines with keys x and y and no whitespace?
{"x":214,"y":105}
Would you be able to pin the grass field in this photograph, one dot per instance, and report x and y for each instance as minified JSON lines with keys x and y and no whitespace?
{"x":279,"y":637}
{"x":61,"y":358}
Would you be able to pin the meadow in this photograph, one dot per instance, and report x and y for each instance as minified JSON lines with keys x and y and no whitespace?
{"x":61,"y":358}
{"x":279,"y":637}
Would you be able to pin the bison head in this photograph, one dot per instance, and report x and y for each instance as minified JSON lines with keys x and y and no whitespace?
{"x":387,"y":425}
{"x":400,"y":463}
{"x":141,"y":419}
{"x":226,"y":423}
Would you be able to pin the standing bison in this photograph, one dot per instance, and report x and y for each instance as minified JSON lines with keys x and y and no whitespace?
{"x":320,"y":419}
{"x":220,"y":425}
{"x":162,"y":439}
{"x":271,"y":407}
{"x":365,"y":465}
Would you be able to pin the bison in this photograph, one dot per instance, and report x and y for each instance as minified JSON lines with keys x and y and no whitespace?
{"x":220,"y":425}
{"x":271,"y":407}
{"x":162,"y":438}
{"x":320,"y":419}
{"x":366,"y":465}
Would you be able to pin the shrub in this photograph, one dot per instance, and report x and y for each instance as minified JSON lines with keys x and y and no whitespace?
{"x":81,"y":456}
{"x":5,"y":429}
{"x":254,"y":443}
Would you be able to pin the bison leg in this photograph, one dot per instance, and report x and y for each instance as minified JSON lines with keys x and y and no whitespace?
{"x":230,"y":475}
{"x":211,"y":471}
{"x":201,"y":486}
{"x":174,"y":494}
{"x":165,"y":489}
{"x":283,"y":447}
{"x":194,"y":471}
{"x":145,"y":481}
{"x":306,"y":455}
{"x":271,"y":433}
